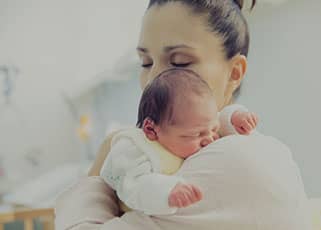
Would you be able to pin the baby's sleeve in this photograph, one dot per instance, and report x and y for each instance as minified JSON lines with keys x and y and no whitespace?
{"x":226,"y":127}
{"x":130,"y":173}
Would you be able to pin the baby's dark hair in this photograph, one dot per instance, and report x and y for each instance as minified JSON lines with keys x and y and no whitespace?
{"x":159,"y":96}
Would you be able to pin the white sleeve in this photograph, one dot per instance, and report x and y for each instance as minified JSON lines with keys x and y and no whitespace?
{"x":225,"y":116}
{"x":130,"y":173}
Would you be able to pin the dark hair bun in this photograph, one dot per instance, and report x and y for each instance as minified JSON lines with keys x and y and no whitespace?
{"x":240,"y":3}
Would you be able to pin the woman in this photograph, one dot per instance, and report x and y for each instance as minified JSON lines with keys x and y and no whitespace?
{"x":248,"y":182}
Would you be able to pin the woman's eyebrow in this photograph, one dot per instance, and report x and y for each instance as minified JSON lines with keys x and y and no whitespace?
{"x":166,"y":48}
{"x":170,"y":48}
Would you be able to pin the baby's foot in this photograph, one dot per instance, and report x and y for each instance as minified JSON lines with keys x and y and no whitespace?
{"x":184,"y":195}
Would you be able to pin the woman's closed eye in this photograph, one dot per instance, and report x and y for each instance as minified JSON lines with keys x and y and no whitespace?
{"x":146,"y":61}
{"x":180,"y":60}
{"x":147,"y":65}
{"x":181,"y":64}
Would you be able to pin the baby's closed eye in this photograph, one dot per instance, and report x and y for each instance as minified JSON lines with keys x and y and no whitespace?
{"x":194,"y":135}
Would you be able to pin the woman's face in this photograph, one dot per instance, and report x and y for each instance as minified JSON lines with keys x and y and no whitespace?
{"x":173,"y":36}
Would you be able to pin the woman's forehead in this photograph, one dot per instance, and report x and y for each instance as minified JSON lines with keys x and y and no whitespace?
{"x":174,"y":24}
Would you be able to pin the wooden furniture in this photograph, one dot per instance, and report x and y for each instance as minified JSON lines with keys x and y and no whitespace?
{"x":27,"y":216}
{"x":315,"y":205}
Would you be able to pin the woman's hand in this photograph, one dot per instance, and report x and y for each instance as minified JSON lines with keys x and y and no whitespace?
{"x":244,"y":122}
{"x":184,"y":195}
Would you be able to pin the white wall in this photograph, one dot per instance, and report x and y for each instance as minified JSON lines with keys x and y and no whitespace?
{"x":283,"y":83}
{"x":55,"y":44}
{"x":36,"y":39}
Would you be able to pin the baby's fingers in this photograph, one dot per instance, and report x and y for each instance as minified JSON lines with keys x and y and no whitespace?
{"x":182,"y":201}
{"x":193,"y":193}
{"x":176,"y":200}
{"x":256,"y":119}
{"x":250,"y":119}
{"x":240,"y":130}
{"x":198,"y":195}
{"x":188,"y":195}
{"x":246,"y":126}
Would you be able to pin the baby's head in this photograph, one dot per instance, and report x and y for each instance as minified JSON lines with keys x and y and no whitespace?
{"x":178,"y":110}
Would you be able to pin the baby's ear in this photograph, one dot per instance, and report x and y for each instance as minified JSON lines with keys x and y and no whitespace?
{"x":149,"y":129}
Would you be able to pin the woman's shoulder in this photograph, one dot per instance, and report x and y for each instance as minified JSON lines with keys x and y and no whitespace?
{"x":254,"y":173}
{"x":252,"y":151}
{"x":102,"y":154}
{"x":243,"y":143}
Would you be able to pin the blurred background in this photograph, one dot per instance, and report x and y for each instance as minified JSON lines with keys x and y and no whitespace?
{"x":69,"y":75}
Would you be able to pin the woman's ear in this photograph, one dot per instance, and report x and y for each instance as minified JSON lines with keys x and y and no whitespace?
{"x":238,"y":67}
{"x":149,"y":128}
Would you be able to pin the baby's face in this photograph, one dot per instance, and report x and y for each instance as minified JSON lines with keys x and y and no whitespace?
{"x":195,"y":126}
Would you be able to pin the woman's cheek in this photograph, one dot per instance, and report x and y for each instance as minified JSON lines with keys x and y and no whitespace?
{"x":143,"y":80}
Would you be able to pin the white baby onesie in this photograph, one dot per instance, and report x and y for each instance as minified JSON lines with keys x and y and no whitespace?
{"x":140,"y":170}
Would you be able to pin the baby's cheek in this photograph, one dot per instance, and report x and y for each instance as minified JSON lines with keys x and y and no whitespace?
{"x":192,"y":148}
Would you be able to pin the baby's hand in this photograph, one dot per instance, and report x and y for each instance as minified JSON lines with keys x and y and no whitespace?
{"x":244,"y":122}
{"x":184,"y":195}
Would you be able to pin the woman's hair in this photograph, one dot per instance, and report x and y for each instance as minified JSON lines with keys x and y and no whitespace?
{"x":160,"y":96}
{"x":225,"y":18}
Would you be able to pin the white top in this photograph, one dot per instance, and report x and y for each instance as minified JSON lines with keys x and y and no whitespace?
{"x":134,"y":168}
{"x":249,"y":183}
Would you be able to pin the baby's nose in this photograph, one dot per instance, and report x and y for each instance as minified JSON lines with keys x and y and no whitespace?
{"x":206,"y":141}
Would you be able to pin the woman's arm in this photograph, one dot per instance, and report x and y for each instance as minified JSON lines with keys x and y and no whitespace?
{"x":101,"y":156}
{"x":89,"y":205}
{"x":89,"y":202}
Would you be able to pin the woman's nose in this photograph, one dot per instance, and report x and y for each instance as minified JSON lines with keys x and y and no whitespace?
{"x":206,"y":141}
{"x":155,"y":71}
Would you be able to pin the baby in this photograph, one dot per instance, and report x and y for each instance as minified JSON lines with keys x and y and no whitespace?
{"x":177,"y":117}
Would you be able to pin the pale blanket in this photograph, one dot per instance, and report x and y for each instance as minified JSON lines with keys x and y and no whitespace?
{"x":249,"y":183}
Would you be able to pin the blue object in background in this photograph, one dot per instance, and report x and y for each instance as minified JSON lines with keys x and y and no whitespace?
{"x":9,"y":74}
{"x":18,"y":225}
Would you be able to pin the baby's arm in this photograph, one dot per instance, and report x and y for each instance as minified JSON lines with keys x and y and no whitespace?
{"x":129,"y":172}
{"x":236,"y":119}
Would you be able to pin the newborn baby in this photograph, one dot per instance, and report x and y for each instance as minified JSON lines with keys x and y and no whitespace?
{"x":177,"y":117}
